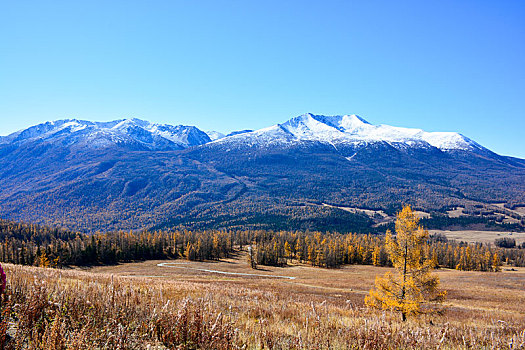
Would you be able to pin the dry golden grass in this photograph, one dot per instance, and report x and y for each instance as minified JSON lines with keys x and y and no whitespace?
{"x":473,"y":236}
{"x":133,"y":306}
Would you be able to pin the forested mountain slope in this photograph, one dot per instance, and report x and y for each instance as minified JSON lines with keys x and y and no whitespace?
{"x":132,"y":174}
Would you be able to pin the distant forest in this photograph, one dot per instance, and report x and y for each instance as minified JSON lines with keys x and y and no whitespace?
{"x":329,"y":220}
{"x":29,"y":244}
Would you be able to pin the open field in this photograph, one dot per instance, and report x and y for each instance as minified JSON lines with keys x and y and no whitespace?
{"x":179,"y":305}
{"x":473,"y":236}
{"x":517,"y":210}
{"x":456,"y":213}
{"x":520,"y":210}
{"x":348,"y":284}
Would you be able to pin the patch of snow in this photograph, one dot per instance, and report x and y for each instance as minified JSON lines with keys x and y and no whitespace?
{"x":214,"y":135}
{"x":351,"y":157}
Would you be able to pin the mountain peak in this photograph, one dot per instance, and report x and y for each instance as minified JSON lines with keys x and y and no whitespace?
{"x":348,"y":118}
{"x":215,"y":135}
{"x":354,"y":118}
{"x":352,"y":129}
{"x":131,"y":132}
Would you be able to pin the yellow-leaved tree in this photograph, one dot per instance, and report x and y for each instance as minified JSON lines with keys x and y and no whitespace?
{"x":413,"y":285}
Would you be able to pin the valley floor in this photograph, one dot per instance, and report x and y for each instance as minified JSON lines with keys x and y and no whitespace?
{"x":474,"y":236}
{"x":227,"y":305}
{"x":501,"y":294}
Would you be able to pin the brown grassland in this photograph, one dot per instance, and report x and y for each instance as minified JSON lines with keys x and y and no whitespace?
{"x":474,"y":236}
{"x":179,"y":306}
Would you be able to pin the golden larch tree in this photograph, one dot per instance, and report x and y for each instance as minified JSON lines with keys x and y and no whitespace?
{"x":496,"y":263}
{"x":413,"y":284}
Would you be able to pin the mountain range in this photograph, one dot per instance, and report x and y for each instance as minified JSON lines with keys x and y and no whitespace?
{"x":134,"y":134}
{"x":310,"y":172}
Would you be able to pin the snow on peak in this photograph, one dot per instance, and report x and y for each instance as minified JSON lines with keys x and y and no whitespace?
{"x":352,"y":129}
{"x":214,"y":135}
{"x":333,"y":130}
{"x":137,"y":132}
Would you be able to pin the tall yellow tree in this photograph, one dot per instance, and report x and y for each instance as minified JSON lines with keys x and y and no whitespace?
{"x":413,"y":284}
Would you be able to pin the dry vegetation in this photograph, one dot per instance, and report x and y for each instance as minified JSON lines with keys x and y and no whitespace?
{"x":473,"y":236}
{"x":142,"y":305}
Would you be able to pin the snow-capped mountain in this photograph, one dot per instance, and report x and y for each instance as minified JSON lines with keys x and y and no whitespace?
{"x":350,"y":129}
{"x":215,"y":135}
{"x":117,"y":175}
{"x":333,"y":130}
{"x":136,"y":133}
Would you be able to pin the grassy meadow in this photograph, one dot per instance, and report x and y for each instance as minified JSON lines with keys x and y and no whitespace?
{"x":182,"y":306}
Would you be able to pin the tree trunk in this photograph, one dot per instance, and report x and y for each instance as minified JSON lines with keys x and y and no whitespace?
{"x":403,"y":314}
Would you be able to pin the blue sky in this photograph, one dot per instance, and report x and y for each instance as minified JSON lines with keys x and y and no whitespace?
{"x":226,"y":65}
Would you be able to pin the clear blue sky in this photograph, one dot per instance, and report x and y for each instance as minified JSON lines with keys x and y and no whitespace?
{"x":225,"y":65}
